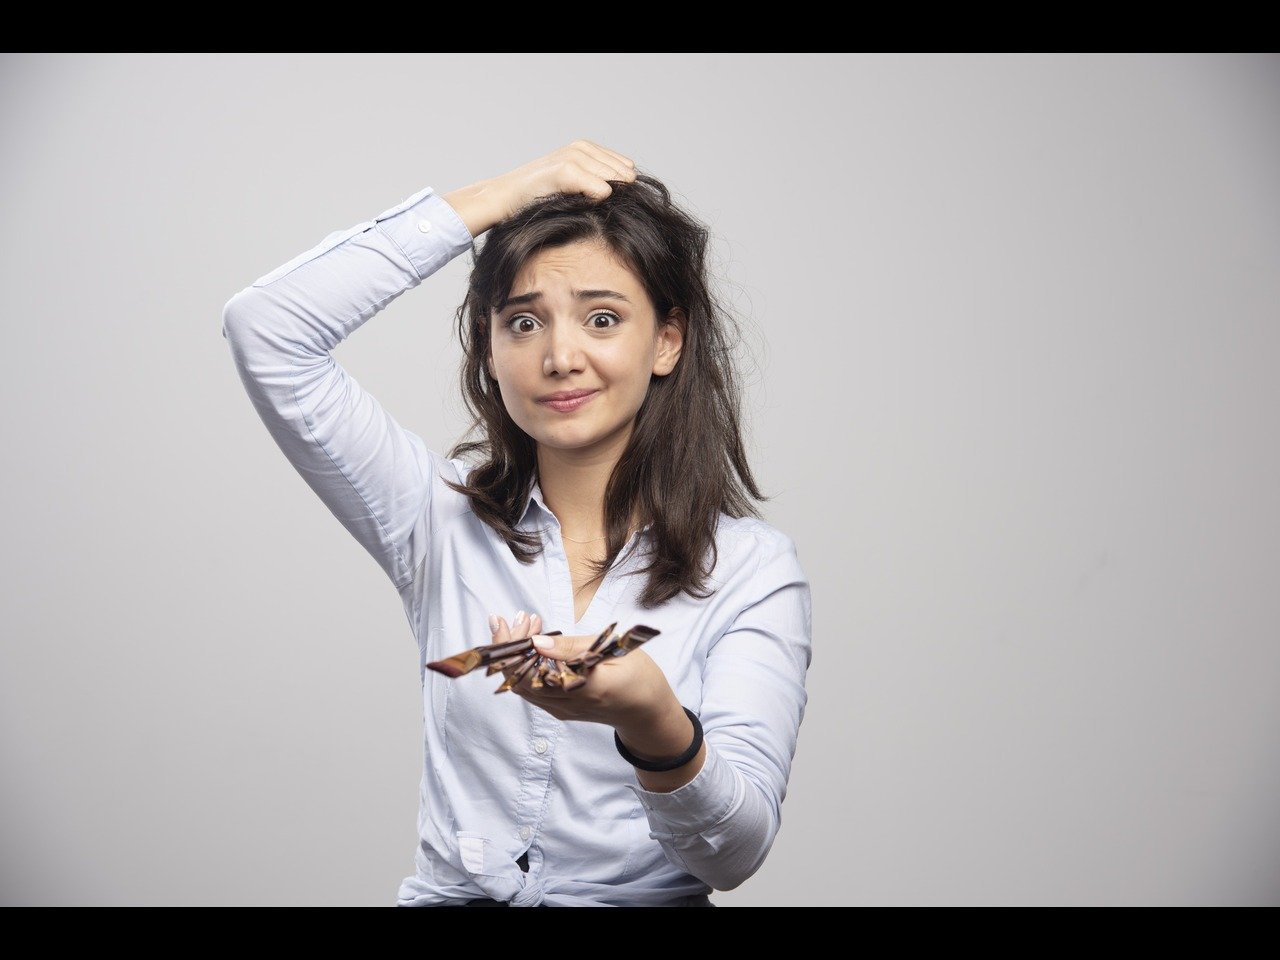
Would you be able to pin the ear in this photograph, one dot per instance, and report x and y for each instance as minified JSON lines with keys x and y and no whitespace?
{"x":670,"y":341}
{"x":489,"y":363}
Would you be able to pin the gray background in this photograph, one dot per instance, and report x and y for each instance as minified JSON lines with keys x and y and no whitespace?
{"x":1011,"y":359}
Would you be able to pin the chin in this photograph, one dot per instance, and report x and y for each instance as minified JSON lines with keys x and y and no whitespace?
{"x":574,"y":441}
{"x":570,"y":432}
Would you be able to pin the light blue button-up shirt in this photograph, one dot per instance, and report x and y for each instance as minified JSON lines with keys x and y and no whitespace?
{"x":501,"y":777}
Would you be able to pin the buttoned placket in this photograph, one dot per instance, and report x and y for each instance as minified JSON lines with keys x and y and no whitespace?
{"x":544,"y":729}
{"x":535,"y":770}
{"x":535,"y":781}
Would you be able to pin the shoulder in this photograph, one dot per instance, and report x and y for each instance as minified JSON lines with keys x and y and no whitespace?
{"x":439,"y":468}
{"x":752,"y":535}
{"x":749,"y":546}
{"x":455,"y":469}
{"x":767,"y":591}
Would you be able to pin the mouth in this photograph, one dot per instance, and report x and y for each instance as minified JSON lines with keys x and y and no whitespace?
{"x":568,"y":400}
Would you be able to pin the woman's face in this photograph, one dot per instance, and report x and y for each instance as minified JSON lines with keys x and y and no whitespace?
{"x":577,"y":319}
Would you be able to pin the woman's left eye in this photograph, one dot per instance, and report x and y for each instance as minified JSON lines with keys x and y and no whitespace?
{"x":606,"y":315}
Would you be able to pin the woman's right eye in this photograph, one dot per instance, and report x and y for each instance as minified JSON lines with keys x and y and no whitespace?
{"x":511,"y":322}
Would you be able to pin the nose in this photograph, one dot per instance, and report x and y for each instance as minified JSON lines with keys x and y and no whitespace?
{"x":564,"y":350}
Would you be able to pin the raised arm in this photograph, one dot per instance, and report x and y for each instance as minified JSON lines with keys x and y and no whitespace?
{"x":372,"y":473}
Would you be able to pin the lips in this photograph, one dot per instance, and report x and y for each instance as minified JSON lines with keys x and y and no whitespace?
{"x":569,"y":400}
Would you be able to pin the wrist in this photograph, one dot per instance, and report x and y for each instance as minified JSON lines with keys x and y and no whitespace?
{"x":660,"y":734}
{"x":480,"y":205}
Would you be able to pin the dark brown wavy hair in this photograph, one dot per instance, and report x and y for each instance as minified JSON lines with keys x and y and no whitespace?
{"x":685,"y":462}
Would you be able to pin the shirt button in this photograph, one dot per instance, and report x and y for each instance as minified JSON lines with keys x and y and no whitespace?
{"x":540,"y":745}
{"x":424,"y":226}
{"x":525,"y":833}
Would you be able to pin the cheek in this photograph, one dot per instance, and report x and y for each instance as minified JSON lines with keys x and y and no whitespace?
{"x":626,"y":363}
{"x":514,"y":368}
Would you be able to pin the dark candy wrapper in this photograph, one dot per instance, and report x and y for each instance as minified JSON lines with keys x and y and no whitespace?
{"x":542,"y":670}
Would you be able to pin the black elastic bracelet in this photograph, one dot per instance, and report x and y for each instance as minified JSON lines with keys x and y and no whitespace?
{"x":659,"y":765}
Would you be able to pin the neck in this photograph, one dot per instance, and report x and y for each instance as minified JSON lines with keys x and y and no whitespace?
{"x":573,"y":484}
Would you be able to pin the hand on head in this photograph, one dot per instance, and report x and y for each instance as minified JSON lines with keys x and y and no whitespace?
{"x":581,"y":167}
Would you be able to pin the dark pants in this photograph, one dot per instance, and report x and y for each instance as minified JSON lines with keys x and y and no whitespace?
{"x":702,"y":901}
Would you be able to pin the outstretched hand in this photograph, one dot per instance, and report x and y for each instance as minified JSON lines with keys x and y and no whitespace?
{"x":623,"y":692}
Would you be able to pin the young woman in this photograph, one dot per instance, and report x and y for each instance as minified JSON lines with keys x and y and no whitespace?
{"x":609,"y":486}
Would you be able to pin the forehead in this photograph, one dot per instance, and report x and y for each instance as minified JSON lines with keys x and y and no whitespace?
{"x":583,"y":264}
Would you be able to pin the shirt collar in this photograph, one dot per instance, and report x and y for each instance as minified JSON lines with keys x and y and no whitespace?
{"x":535,"y":497}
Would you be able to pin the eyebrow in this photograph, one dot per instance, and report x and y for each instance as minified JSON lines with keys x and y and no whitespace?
{"x":535,"y":295}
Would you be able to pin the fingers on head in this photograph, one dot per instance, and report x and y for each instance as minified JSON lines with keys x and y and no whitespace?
{"x":592,"y":149}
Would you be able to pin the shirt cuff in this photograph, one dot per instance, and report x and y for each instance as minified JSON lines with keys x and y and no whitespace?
{"x":427,"y":230}
{"x":698,"y":805}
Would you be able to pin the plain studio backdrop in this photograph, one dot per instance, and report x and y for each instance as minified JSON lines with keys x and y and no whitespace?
{"x":1010,"y":350}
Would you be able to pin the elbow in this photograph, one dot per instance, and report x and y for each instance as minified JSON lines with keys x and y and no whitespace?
{"x":727,"y":853}
{"x":237,"y":314}
{"x":738,"y":870}
{"x":264,"y":339}
{"x":733,"y":864}
{"x":729,"y":874}
{"x":262,"y":357}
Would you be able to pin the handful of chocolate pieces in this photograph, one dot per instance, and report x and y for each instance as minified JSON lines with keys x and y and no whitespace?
{"x":540,"y":669}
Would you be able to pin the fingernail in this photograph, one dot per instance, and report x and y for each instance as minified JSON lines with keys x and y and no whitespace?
{"x":543,"y":643}
{"x":519,"y":618}
{"x":493,"y":623}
